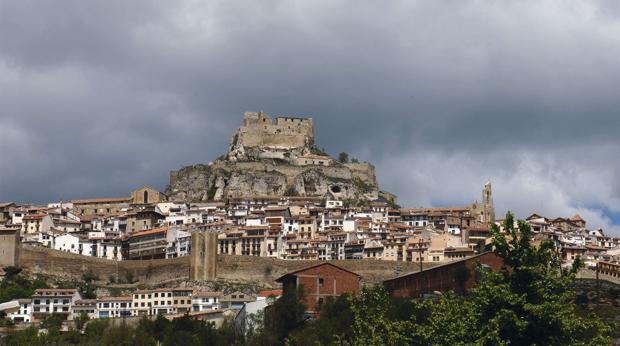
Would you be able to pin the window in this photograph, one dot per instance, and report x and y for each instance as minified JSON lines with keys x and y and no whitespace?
{"x":321,"y":282}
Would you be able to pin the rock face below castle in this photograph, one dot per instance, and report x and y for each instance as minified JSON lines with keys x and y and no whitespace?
{"x":274,"y":157}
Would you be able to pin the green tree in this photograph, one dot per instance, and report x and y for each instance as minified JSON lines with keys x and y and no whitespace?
{"x":286,"y":315}
{"x":333,"y":325}
{"x":371,"y":323}
{"x":343,"y":157}
{"x":81,"y":320}
{"x":28,"y":336}
{"x":527,"y":303}
{"x":15,"y":285}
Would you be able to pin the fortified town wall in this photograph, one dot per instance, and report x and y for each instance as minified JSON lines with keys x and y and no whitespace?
{"x":66,"y":266}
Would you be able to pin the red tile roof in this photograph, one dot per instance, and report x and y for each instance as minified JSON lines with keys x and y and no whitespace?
{"x":150,"y":231}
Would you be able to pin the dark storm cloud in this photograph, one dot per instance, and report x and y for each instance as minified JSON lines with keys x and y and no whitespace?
{"x":97,"y":98}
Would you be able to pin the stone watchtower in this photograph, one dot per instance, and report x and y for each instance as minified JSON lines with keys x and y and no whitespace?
{"x":487,"y":204}
{"x":9,"y":247}
{"x":203,"y":261}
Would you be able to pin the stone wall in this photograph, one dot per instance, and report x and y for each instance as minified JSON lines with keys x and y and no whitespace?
{"x":259,"y":130}
{"x":250,"y":269}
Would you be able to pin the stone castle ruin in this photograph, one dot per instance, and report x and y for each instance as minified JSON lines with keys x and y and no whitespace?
{"x":259,"y":130}
{"x":262,"y":137}
{"x":274,"y":157}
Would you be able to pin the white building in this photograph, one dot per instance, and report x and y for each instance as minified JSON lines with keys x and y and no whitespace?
{"x":18,"y":310}
{"x":204,"y":301}
{"x":84,"y":306}
{"x":179,"y":243}
{"x":47,"y":301}
{"x":331,"y":204}
{"x":113,"y":307}
{"x":68,"y":243}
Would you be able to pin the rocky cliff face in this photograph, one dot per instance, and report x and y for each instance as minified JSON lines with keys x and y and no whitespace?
{"x":251,"y":169}
{"x":221,"y":180}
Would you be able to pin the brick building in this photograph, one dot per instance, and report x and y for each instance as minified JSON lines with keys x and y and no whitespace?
{"x":319,"y":282}
{"x":454,"y":276}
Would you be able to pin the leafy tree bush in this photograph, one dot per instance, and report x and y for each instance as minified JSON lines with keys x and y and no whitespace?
{"x":528,"y":303}
{"x":343,"y":157}
{"x":16,"y":286}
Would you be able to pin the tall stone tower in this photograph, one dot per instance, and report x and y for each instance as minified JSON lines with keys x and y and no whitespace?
{"x":487,"y":204}
{"x":203,"y":263}
{"x":9,"y":247}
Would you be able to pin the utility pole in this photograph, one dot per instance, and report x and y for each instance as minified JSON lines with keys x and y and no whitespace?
{"x":420,"y":242}
{"x":598,"y":287}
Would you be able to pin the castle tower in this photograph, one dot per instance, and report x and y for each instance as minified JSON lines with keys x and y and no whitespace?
{"x":203,"y":262}
{"x":10,"y":244}
{"x":487,"y":204}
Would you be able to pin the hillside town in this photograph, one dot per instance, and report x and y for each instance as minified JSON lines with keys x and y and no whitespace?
{"x":275,"y":196}
{"x":148,"y":226}
{"x":69,"y":304}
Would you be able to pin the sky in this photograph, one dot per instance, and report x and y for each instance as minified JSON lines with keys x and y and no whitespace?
{"x":98,"y":98}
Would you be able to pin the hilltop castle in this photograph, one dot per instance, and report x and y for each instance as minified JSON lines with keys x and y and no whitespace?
{"x":283,"y":138}
{"x":260,"y":130}
{"x":275,"y":157}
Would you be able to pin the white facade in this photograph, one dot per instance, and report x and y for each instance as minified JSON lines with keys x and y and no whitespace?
{"x":179,"y":243}
{"x":205,"y":301}
{"x":330,"y":204}
{"x":47,"y":301}
{"x":23,"y":311}
{"x":114,"y":307}
{"x":67,"y":243}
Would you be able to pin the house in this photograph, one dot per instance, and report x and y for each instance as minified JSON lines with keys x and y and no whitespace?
{"x":150,"y":244}
{"x":455,"y":276}
{"x":6,"y":210}
{"x":18,"y":310}
{"x":205,"y":301}
{"x":143,"y":219}
{"x":68,"y":243}
{"x":47,"y":301}
{"x":320,"y":282}
{"x":101,"y":206}
{"x":242,"y":320}
{"x":235,"y":300}
{"x":373,"y":249}
{"x":84,"y":306}
{"x":178,"y":242}
{"x":36,"y":223}
{"x":110,"y":307}
{"x":266,"y":294}
{"x":162,"y":301}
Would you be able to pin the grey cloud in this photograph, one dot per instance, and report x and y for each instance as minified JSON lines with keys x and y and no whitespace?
{"x":99,"y":97}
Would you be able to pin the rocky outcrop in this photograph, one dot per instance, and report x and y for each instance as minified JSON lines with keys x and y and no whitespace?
{"x":221,"y":180}
{"x":268,"y":158}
